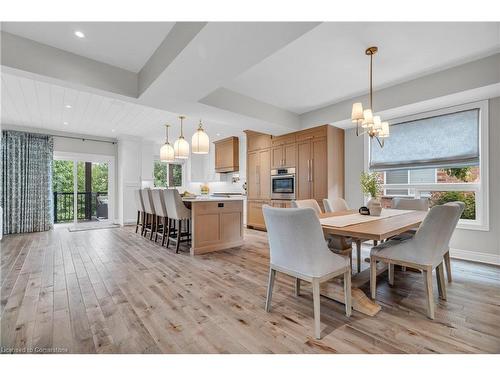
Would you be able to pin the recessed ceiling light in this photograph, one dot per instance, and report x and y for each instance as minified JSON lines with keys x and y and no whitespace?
{"x":112,"y":130}
{"x":79,"y":34}
{"x":65,"y":122}
{"x":68,"y":106}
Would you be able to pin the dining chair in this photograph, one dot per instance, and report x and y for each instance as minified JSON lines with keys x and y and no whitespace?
{"x":150,"y":212}
{"x":139,"y":204}
{"x":338,"y":244}
{"x":447,"y":260}
{"x":161,"y":214}
{"x":178,"y":214}
{"x":337,"y":204}
{"x":298,"y":249}
{"x":425,"y":251}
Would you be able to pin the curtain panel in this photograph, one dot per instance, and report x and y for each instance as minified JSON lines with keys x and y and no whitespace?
{"x":26,"y":186}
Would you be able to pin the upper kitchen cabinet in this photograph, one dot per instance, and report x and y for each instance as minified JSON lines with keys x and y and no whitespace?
{"x":257,"y":141}
{"x":227,"y":153}
{"x":283,"y":151}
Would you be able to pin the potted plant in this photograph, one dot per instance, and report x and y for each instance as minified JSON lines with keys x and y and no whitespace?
{"x":370,"y":184}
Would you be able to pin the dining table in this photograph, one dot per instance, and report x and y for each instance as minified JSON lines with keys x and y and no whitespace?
{"x":362,"y":228}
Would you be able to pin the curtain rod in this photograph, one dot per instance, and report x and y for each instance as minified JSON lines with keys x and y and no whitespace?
{"x":83,"y":139}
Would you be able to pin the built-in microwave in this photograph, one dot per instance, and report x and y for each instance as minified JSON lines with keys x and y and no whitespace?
{"x":283,"y":183}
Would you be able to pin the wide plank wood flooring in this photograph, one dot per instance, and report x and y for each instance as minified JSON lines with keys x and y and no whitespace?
{"x":112,"y":291}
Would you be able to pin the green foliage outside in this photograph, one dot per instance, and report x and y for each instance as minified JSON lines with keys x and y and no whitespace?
{"x":175,"y":175}
{"x":161,"y":174}
{"x":468,"y":198}
{"x":462,"y":174}
{"x":370,"y":184}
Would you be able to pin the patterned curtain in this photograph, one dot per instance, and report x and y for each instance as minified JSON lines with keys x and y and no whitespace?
{"x":26,"y":186}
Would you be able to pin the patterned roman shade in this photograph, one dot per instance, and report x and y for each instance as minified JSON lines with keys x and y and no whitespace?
{"x":435,"y":142}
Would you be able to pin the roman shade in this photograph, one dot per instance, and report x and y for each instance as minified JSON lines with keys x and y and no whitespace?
{"x":450,"y":140}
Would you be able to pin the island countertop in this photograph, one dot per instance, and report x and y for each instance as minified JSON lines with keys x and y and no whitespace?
{"x":217,"y":223}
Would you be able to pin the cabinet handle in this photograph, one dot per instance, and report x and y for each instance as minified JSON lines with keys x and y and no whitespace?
{"x":309,"y":170}
{"x":312,"y":170}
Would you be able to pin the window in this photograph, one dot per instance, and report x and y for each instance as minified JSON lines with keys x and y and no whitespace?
{"x":442,"y":155}
{"x":167,"y":174}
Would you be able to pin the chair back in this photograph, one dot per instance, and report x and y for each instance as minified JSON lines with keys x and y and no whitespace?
{"x":433,"y":236}
{"x":296,"y":240}
{"x":307,"y":203}
{"x":337,"y":204}
{"x":139,"y":204}
{"x":175,"y":206}
{"x":158,"y":203}
{"x":421,"y":204}
{"x":147,"y":200}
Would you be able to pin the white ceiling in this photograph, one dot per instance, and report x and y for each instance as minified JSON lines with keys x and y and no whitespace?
{"x":36,"y":104}
{"x":328,"y":64}
{"x":126,"y":45}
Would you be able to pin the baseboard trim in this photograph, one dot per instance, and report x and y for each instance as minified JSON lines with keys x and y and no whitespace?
{"x":475,"y":256}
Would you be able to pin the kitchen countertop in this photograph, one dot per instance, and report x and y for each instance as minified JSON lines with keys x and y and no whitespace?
{"x":213,"y":199}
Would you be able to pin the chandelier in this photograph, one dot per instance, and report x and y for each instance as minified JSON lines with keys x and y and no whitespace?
{"x":365,"y":121}
{"x":181,"y":146}
{"x":167,"y":153}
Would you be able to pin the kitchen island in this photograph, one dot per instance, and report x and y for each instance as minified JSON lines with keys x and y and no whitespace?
{"x":217,"y":223}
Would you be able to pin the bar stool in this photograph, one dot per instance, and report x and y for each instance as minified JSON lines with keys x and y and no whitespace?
{"x":178,"y":213}
{"x":161,"y":214}
{"x":150,"y":212}
{"x":139,"y":204}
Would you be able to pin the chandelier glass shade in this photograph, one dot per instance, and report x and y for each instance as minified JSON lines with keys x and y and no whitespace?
{"x":200,"y":141}
{"x":181,"y":146}
{"x":167,"y":151}
{"x":366,"y":122}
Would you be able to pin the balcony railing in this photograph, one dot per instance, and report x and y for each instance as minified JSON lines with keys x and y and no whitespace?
{"x":90,"y":206}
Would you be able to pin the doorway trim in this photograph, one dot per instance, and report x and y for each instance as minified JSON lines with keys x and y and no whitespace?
{"x":93,"y":158}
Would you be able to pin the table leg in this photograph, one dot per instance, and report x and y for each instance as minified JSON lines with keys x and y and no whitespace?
{"x":358,"y":255}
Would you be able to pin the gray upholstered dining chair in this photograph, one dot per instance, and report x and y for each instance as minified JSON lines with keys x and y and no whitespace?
{"x":150,"y":222}
{"x":139,"y":204}
{"x":425,"y":251}
{"x":337,"y":204}
{"x":161,"y":214}
{"x":419,"y":204}
{"x":338,"y":244}
{"x":297,"y":248}
{"x":447,"y":260}
{"x":178,"y":214}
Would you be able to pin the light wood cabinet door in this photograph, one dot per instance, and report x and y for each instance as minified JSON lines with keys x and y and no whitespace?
{"x":227,"y":155}
{"x":255,"y":216}
{"x":265,"y":174}
{"x":289,"y":154}
{"x":319,"y":169}
{"x":303,"y":172}
{"x":277,"y":157}
{"x":253,"y":175}
{"x":257,"y":141}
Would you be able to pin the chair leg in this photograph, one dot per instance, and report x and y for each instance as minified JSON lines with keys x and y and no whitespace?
{"x":390,"y":273}
{"x":144,"y":224}
{"x":156,"y":235}
{"x":440,"y":281}
{"x":168,"y":231}
{"x":297,"y":287}
{"x":428,"y":288}
{"x":403,"y":268}
{"x":348,"y":292}
{"x":138,"y":220}
{"x":317,"y":313}
{"x":164,"y":231}
{"x":447,"y":262}
{"x":179,"y":230}
{"x":358,"y":255}
{"x":373,"y":277}
{"x":153,"y":219}
{"x":270,"y":285}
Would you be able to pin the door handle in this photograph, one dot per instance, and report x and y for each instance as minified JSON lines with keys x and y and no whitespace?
{"x":312,"y":170}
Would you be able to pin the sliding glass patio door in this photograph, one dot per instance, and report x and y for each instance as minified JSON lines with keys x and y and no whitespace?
{"x":82,"y":188}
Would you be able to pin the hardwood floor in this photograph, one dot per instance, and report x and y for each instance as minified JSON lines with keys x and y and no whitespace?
{"x":112,"y":291}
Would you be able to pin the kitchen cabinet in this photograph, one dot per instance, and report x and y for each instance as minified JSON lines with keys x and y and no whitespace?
{"x":227,"y":153}
{"x":259,"y":174}
{"x":312,"y":170}
{"x":283,"y":155}
{"x":257,"y":141}
{"x":255,"y":216}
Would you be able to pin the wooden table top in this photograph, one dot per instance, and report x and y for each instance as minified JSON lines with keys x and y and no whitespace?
{"x":377,"y":229}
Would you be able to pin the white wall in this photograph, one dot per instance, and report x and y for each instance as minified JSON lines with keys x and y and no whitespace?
{"x":469,"y":244}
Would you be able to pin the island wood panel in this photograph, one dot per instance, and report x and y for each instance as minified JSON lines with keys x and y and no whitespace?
{"x":217,"y":225}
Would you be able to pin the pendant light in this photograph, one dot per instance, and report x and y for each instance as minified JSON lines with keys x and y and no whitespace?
{"x":167,"y":151}
{"x":200,"y":141}
{"x":365,"y":119}
{"x":181,"y":146}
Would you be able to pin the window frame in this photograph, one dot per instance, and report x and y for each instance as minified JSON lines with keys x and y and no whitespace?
{"x":183,"y":168}
{"x":480,"y":189}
